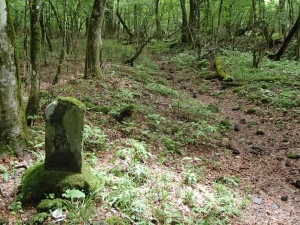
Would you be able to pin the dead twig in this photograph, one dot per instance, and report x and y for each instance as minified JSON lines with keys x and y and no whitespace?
{"x":237,"y":171}
{"x":116,"y":210}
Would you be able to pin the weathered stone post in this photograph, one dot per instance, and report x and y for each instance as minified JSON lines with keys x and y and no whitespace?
{"x":63,"y":168}
{"x":64,"y":131}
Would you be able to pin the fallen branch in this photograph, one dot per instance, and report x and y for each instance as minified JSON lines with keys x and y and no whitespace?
{"x":138,"y":52}
{"x":237,"y":171}
{"x":116,"y":210}
{"x":221,"y":71}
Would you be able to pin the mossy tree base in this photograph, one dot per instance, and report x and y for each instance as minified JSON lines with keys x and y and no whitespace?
{"x":38,"y":182}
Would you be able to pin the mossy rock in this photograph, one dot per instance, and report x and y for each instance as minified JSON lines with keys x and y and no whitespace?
{"x":95,"y":108}
{"x":251,"y":111}
{"x":121,"y":112}
{"x":38,"y":182}
{"x":49,"y":204}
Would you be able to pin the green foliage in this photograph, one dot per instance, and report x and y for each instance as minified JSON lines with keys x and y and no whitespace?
{"x":4,"y":170}
{"x":15,"y":207}
{"x":162,"y":89}
{"x":225,"y":124}
{"x":185,"y":59}
{"x":80,"y":208}
{"x":94,"y":138}
{"x":263,"y":84}
{"x":39,"y":218}
{"x":121,"y":112}
{"x":114,"y":220}
{"x":172,"y":146}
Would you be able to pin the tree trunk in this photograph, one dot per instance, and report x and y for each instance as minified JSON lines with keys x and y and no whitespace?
{"x":157,"y":21}
{"x":194,"y":23}
{"x":184,"y":27}
{"x":35,"y":49}
{"x":94,"y":41}
{"x":110,"y":27}
{"x":219,"y":21}
{"x":286,"y":42}
{"x":62,"y":51}
{"x":13,"y":130}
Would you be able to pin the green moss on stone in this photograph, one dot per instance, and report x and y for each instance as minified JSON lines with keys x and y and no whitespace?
{"x":95,"y":108}
{"x":121,"y":112}
{"x":36,"y":182}
{"x":69,"y":102}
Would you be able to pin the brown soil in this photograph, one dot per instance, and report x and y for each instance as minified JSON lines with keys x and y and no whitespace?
{"x":262,"y":164}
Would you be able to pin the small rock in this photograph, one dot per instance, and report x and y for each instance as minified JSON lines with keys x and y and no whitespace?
{"x":257,"y":150}
{"x":257,"y":200}
{"x":275,"y":206}
{"x":243,"y":121}
{"x":236,"y":128}
{"x":145,"y":93}
{"x":259,"y":132}
{"x":297,"y":184}
{"x":287,"y":163}
{"x":235,"y":108}
{"x":251,"y":111}
{"x":290,"y":180}
{"x":284,"y":198}
{"x":291,"y":155}
{"x":235,"y":152}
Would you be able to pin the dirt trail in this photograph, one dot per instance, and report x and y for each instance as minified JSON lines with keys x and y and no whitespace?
{"x":260,"y":160}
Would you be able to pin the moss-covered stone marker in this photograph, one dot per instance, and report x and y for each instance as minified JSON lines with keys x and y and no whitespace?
{"x":63,"y":168}
{"x":64,"y":130}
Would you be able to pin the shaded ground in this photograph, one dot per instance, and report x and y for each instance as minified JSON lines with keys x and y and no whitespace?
{"x":260,"y":159}
{"x":255,"y":148}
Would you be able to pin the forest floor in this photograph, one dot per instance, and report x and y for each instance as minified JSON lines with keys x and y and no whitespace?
{"x":250,"y":156}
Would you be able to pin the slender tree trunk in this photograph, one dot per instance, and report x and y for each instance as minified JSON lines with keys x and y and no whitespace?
{"x":35,"y":49}
{"x":58,"y":20}
{"x":219,"y":21}
{"x":110,"y":27}
{"x":94,"y":41}
{"x":194,"y":23}
{"x":63,"y":50}
{"x":157,"y":21}
{"x":184,"y":27}
{"x":286,"y":41}
{"x":13,"y":129}
{"x":298,"y":39}
{"x":281,"y":16}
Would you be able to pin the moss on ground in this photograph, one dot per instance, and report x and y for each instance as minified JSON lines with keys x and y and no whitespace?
{"x":38,"y":182}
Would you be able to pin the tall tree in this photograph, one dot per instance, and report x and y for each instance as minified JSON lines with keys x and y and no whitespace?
{"x":194,"y":23}
{"x":157,"y":21}
{"x":62,"y":51}
{"x":35,"y":49}
{"x":184,"y":26}
{"x":13,"y":129}
{"x":94,"y":41}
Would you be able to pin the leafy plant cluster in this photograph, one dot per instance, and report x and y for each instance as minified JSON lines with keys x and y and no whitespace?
{"x":274,"y":83}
